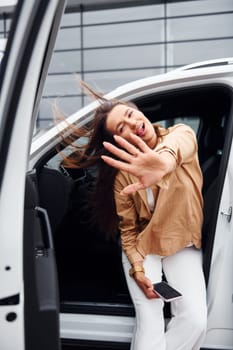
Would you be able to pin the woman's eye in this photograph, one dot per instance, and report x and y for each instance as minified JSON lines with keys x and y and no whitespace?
{"x":130,"y":114}
{"x":121,"y":128}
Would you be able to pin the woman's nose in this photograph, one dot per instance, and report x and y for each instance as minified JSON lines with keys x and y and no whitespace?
{"x":131,"y":123}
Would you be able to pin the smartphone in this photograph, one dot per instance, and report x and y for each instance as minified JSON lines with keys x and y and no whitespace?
{"x":166,"y":292}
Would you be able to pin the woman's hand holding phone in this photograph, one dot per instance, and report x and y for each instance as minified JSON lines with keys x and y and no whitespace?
{"x":145,"y":284}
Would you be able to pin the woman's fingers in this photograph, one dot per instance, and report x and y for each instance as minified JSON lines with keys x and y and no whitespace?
{"x":139,"y":143}
{"x":133,"y":188}
{"x":129,"y":147}
{"x":117,"y":151}
{"x":116,"y":163}
{"x":137,"y":159}
{"x":145,"y":284}
{"x":125,"y":167}
{"x":134,"y":149}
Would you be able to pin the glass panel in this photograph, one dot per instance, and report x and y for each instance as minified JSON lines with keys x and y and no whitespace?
{"x":70,"y":19}
{"x":2,"y":47}
{"x":68,"y":38}
{"x":65,"y":62}
{"x":8,"y":24}
{"x":190,"y":52}
{"x":5,"y":24}
{"x":193,"y":122}
{"x":108,"y":67}
{"x":67,"y":106}
{"x":124,"y":14}
{"x":200,"y":27}
{"x":60,"y":85}
{"x":1,"y":24}
{"x":128,"y":57}
{"x":45,"y":117}
{"x":198,"y":7}
{"x":108,"y":81}
{"x":126,"y":33}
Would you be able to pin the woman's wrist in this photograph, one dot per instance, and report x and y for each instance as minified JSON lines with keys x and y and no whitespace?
{"x":136,"y":268}
{"x":169,"y":160}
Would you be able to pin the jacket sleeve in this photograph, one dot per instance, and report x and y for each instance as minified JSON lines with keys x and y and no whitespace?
{"x":180,"y":142}
{"x":128,"y":226}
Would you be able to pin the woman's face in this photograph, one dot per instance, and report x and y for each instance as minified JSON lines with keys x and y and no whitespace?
{"x":124,"y":120}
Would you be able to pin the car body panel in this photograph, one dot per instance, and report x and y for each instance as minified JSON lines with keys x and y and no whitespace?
{"x":20,"y":75}
{"x":97,"y":327}
{"x":220,"y":286}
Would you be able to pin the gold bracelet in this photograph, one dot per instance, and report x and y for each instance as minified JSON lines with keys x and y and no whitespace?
{"x":136,"y":269}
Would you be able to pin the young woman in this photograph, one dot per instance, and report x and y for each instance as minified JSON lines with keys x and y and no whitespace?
{"x":150,"y":189}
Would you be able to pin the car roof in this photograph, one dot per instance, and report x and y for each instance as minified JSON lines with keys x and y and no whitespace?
{"x":210,"y":63}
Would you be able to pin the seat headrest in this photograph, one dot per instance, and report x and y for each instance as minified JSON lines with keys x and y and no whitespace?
{"x":214,"y":139}
{"x":54,"y":192}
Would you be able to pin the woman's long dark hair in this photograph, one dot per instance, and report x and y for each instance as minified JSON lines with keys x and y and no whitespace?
{"x":101,"y":197}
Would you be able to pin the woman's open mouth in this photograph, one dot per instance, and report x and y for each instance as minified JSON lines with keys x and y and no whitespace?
{"x":141,"y":130}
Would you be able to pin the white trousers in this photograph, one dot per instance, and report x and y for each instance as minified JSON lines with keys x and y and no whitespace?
{"x":187,"y":327}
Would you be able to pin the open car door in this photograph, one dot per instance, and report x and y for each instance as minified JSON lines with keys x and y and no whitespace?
{"x":29,"y":315}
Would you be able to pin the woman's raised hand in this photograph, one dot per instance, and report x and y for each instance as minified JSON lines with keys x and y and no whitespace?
{"x":139,"y":160}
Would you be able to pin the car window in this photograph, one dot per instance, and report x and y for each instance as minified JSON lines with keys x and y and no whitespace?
{"x":193,"y":122}
{"x":55,"y":161}
{"x":2,"y":48}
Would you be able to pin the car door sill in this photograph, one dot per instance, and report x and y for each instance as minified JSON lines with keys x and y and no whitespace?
{"x":93,"y":308}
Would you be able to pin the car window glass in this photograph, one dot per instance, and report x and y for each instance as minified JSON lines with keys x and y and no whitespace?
{"x":55,"y":161}
{"x":5,"y":24}
{"x":193,"y":122}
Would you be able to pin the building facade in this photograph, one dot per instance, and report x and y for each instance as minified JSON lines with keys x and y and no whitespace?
{"x":112,"y":46}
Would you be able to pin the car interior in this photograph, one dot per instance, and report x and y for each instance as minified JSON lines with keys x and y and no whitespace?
{"x":90,"y":274}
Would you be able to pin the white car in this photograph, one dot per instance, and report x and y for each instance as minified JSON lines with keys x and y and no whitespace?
{"x":44,"y":235}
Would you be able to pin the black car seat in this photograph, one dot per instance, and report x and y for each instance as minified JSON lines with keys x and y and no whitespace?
{"x":213,"y":145}
{"x":214,"y":142}
{"x":54,"y":195}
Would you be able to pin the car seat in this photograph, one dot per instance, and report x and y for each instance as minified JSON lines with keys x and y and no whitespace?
{"x":54,"y":193}
{"x":213,"y":145}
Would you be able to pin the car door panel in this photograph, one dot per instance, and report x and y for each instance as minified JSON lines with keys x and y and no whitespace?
{"x":220,"y":284}
{"x":32,"y":286}
{"x":40,"y":286}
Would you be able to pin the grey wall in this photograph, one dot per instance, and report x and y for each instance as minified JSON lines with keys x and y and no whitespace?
{"x":110,"y":47}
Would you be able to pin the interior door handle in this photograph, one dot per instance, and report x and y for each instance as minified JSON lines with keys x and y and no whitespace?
{"x":47,"y":232}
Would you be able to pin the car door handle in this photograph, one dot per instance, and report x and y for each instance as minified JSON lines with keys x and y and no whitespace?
{"x":47,"y":232}
{"x":228,"y":215}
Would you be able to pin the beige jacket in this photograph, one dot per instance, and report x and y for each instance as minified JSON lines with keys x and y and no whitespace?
{"x":177,"y":217}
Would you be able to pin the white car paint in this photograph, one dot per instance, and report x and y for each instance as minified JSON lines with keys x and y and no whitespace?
{"x":12,"y":191}
{"x":220,"y":288}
